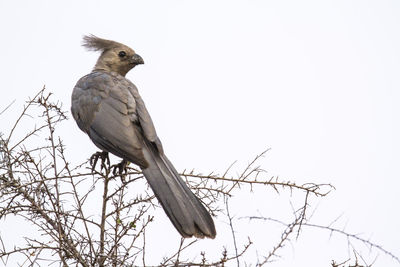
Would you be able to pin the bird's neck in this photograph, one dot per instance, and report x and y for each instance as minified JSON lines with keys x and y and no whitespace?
{"x":103,"y":66}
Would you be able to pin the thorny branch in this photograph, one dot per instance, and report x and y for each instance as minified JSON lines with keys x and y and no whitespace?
{"x":72,"y":228}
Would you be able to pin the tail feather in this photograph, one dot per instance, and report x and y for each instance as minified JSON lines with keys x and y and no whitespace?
{"x":181,"y":205}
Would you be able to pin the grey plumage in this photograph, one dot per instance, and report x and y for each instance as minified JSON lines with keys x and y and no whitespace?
{"x":109,"y":109}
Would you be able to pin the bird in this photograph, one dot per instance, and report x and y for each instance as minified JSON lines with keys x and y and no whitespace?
{"x":109,"y":109}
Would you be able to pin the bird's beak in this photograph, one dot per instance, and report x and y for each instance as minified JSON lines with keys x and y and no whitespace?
{"x":136,"y":59}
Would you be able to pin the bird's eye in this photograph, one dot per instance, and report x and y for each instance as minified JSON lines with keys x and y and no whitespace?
{"x":122,"y":54}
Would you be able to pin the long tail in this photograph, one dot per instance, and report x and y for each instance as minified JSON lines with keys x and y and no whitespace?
{"x":183,"y":208}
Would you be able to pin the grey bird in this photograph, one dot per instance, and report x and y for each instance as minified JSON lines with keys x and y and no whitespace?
{"x":108,"y":108}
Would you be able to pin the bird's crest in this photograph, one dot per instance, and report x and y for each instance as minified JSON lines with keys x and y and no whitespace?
{"x":94,"y":43}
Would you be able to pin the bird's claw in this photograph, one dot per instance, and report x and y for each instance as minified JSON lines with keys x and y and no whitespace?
{"x":105,"y":160}
{"x":120,"y":169}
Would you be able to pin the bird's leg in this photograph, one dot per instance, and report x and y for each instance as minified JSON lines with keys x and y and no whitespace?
{"x":120,"y":169}
{"x":104,"y":160}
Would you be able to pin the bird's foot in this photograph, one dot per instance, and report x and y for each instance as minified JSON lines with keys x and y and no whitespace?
{"x":105,"y":160}
{"x":120,"y":169}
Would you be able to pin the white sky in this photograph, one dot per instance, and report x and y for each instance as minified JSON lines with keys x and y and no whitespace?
{"x":316,"y":81}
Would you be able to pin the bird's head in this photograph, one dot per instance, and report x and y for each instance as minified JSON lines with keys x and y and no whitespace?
{"x":114,"y":56}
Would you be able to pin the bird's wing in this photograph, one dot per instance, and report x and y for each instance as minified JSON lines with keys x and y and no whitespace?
{"x":145,"y":120}
{"x":105,"y":109}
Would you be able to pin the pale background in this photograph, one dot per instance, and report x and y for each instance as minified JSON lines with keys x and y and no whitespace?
{"x":315,"y":81}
